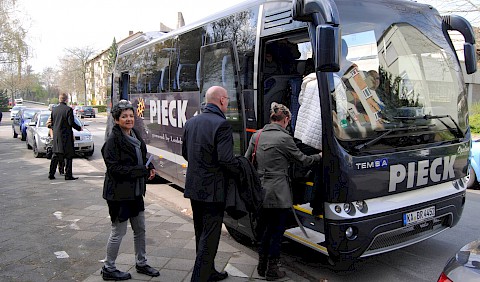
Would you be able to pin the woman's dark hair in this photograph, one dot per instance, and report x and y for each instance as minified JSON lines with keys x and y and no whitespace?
{"x":121,"y":106}
{"x":278,"y":112}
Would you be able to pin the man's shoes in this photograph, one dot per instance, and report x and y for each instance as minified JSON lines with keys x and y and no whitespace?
{"x":147,"y":270}
{"x":218,"y":276}
{"x":115,"y":275}
{"x":70,"y":178}
{"x":51,"y":177}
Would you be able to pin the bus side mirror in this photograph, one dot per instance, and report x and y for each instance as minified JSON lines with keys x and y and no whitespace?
{"x":327,"y":51}
{"x":470,"y":57}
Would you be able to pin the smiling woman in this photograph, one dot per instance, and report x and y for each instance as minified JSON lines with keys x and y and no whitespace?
{"x":124,"y":153}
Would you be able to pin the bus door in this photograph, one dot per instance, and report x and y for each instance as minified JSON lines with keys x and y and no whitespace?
{"x":219,"y":67}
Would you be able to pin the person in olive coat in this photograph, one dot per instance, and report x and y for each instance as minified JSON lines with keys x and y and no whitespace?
{"x":62,"y":122}
{"x":276,"y":149}
{"x":124,"y":154}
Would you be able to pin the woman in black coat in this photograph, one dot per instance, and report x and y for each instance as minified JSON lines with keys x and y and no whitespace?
{"x":124,"y":154}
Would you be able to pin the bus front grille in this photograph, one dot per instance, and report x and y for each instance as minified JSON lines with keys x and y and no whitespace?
{"x":407,"y":235}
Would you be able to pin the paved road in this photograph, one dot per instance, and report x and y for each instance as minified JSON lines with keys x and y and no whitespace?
{"x":56,"y":230}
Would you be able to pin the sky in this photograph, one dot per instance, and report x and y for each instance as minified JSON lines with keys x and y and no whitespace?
{"x":54,"y":25}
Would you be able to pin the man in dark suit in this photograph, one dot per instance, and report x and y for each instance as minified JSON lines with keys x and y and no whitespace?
{"x":208,"y":148}
{"x":62,"y":121}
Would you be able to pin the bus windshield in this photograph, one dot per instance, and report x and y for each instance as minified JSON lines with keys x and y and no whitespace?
{"x":396,"y":87}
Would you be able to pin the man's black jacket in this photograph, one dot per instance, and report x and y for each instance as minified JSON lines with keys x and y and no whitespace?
{"x":244,"y":192}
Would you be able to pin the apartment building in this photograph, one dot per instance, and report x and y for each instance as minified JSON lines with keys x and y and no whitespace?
{"x":98,"y":74}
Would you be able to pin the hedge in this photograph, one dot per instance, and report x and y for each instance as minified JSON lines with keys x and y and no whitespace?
{"x":101,"y":108}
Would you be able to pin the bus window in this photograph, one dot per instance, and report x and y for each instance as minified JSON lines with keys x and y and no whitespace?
{"x":186,"y":77}
{"x":164,"y":86}
{"x":219,"y":69}
{"x":124,"y":86}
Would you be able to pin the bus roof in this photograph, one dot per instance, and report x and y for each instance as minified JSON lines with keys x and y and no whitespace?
{"x":151,"y":38}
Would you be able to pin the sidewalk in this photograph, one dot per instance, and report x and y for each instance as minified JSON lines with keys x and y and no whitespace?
{"x":56,"y":230}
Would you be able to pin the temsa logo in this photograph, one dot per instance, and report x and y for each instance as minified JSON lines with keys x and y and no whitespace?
{"x":418,"y":173}
{"x":169,"y":113}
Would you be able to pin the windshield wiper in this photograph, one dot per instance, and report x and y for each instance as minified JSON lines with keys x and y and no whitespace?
{"x":457,"y":132}
{"x":388,"y":131}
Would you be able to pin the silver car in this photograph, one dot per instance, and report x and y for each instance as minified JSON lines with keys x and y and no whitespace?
{"x":464,"y":266}
{"x":14,"y":111}
{"x":37,"y":133}
{"x":38,"y":138}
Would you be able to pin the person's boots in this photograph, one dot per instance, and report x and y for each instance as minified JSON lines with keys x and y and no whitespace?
{"x":262,"y":264}
{"x":273,"y":272}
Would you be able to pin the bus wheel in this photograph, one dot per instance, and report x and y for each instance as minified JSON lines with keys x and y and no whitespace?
{"x":340,"y":265}
{"x":239,"y":237}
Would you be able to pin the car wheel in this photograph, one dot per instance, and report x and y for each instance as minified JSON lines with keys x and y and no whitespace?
{"x":36,"y":154}
{"x":471,"y":178}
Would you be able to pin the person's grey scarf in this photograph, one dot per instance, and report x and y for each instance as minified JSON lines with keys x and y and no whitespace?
{"x":140,"y":186}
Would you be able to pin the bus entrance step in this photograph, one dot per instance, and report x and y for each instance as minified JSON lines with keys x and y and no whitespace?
{"x":313,"y":241}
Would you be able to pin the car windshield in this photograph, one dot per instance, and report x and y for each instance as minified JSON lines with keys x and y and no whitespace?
{"x":78,"y":122}
{"x":28,"y":114}
{"x":43,"y":121}
{"x":87,"y":108}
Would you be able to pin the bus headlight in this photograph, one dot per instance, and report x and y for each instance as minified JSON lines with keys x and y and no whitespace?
{"x":347,"y":207}
{"x":361,"y":206}
{"x":338,"y":209}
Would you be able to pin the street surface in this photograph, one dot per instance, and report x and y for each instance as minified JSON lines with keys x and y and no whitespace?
{"x":56,"y":230}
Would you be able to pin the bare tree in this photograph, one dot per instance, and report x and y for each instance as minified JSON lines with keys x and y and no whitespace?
{"x":13,"y":47}
{"x":469,"y":9}
{"x":78,"y":58}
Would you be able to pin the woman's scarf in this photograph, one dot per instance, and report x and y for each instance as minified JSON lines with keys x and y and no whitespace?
{"x":139,"y":187}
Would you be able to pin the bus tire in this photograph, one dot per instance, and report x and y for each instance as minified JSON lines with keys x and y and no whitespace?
{"x":239,"y":237}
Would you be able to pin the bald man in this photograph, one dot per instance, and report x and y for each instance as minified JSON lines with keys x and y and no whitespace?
{"x":208,"y":148}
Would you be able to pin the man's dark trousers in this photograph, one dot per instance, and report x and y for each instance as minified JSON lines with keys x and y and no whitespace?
{"x":56,"y":157}
{"x":207,"y":221}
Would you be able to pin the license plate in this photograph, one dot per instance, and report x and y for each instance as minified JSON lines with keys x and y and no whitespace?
{"x":418,"y":216}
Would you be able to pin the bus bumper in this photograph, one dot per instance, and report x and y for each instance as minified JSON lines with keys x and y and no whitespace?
{"x":387,"y":231}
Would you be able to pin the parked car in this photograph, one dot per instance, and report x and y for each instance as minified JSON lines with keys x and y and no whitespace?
{"x":464,"y":266}
{"x":474,"y":166}
{"x":21,"y":120}
{"x":37,"y":133}
{"x":85,"y":111}
{"x":14,"y":111}
{"x":38,"y":139}
{"x":51,"y":106}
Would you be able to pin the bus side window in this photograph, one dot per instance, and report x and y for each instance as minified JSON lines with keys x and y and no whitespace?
{"x":164,"y":79}
{"x":197,"y":74}
{"x":186,"y":77}
{"x":227,"y":73}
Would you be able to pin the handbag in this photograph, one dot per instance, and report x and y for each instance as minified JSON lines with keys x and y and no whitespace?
{"x":253,"y":160}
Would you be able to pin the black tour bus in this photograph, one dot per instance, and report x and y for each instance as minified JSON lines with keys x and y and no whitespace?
{"x":395,"y":146}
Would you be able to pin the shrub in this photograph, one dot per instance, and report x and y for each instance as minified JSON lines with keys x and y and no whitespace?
{"x":101,"y":108}
{"x":474,"y":109}
{"x":475,"y":123}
